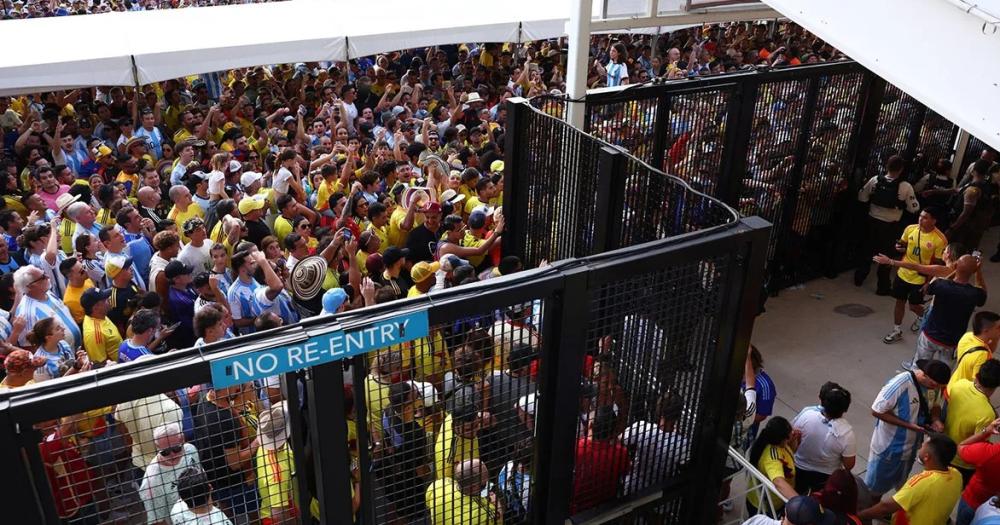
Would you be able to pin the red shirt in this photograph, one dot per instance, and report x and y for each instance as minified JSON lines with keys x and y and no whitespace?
{"x":69,"y":476}
{"x":599,"y":465}
{"x":986,"y":481}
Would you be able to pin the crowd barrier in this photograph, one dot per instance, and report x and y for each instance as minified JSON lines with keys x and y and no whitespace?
{"x":610,"y":381}
{"x":790,"y":145}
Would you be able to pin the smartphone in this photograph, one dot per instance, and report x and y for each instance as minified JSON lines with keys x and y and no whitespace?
{"x":173,"y":326}
{"x":347,"y":235}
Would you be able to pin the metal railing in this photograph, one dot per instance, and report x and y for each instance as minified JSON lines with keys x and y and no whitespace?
{"x":765,"y":490}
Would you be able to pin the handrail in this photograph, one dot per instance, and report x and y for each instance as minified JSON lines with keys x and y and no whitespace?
{"x":756,"y":474}
{"x":764,"y":488}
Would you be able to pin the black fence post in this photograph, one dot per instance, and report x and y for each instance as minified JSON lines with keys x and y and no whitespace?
{"x":739,"y":125}
{"x":558,"y":402}
{"x":916,"y":124}
{"x":19,"y":496}
{"x":290,"y":391}
{"x":515,"y":198}
{"x":610,"y":197}
{"x":660,"y":133}
{"x":867,"y":129}
{"x":359,"y":369}
{"x":736,"y":326}
{"x":328,"y":436}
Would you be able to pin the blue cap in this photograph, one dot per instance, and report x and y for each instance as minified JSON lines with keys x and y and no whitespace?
{"x":333,"y":299}
{"x":804,"y":510}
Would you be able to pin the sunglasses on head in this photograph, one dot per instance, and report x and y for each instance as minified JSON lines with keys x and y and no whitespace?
{"x":176,"y":449}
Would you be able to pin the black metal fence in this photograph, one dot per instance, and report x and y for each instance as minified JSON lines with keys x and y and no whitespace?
{"x":629,"y":360}
{"x":790,"y":145}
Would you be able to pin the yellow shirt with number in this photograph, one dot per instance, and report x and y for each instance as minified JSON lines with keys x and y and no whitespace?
{"x":969,"y":411}
{"x":969,"y":361}
{"x":921,"y":248}
{"x":775,"y":462}
{"x":928,"y":498}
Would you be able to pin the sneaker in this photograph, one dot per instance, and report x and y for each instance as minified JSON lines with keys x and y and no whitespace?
{"x":894,"y":335}
{"x":917,"y":323}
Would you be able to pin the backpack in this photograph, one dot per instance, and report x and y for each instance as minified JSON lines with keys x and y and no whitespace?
{"x":886,"y":193}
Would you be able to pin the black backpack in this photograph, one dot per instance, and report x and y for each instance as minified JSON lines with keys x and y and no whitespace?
{"x":886,"y":193}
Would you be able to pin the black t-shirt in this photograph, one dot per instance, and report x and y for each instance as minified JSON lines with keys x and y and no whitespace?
{"x":119,"y":311}
{"x":419,"y":243}
{"x":215,"y":430}
{"x":400,"y":285}
{"x":256,"y":231}
{"x":953,"y":305}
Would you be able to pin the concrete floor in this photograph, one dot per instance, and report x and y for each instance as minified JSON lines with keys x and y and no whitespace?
{"x":804,"y":343}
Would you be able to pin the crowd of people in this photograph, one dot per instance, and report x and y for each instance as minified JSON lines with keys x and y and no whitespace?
{"x":18,"y":9}
{"x":141,"y":221}
{"x":938,"y":409}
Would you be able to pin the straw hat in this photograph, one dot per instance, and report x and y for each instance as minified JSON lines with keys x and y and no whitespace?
{"x":307,"y":277}
{"x":416,"y":196}
{"x":273,"y":429}
{"x":64,"y":201}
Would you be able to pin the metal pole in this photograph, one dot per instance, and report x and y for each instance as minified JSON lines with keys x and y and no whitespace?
{"x":960,"y":150}
{"x":578,"y":30}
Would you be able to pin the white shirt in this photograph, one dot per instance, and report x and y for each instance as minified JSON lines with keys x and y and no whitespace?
{"x":906,"y":194}
{"x":761,"y":519}
{"x":159,"y":485}
{"x":140,"y":417}
{"x":824,"y":441}
{"x":156,"y":265}
{"x":181,"y":515}
{"x":200,"y":258}
{"x":988,"y":513}
{"x":657,"y":454}
{"x":280,"y":181}
{"x":216,"y":183}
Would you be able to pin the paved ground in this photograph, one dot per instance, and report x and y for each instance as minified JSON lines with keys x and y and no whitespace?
{"x":805,"y":342}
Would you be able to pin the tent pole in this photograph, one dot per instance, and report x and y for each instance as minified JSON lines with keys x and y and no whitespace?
{"x":578,"y":30}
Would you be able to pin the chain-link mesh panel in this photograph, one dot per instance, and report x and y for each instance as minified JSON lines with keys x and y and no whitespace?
{"x":777,"y":122}
{"x":973,"y":149}
{"x":630,"y":124}
{"x":937,"y":137}
{"x":658,"y":206}
{"x":895,"y":120}
{"x":451,"y":419}
{"x":150,"y":459}
{"x":559,"y":167}
{"x":650,"y":340}
{"x":694,"y":137}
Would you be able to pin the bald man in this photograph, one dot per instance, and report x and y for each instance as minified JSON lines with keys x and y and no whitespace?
{"x":458,"y":500}
{"x":954,"y":301}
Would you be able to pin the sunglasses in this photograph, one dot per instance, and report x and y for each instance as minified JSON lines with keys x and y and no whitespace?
{"x":40,"y":279}
{"x":176,"y":449}
{"x":306,"y":226}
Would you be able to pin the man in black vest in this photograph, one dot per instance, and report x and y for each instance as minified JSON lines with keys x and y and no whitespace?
{"x":887,"y":195}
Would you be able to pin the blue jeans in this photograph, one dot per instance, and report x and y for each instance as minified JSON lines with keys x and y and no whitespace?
{"x":965,"y":513}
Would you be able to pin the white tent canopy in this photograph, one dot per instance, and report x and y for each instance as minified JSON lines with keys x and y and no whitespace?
{"x":122,"y":49}
{"x":935,"y":50}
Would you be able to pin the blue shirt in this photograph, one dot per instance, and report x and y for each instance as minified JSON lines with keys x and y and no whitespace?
{"x":766,"y":395}
{"x":127,"y":352}
{"x":154,"y":140}
{"x":50,"y":370}
{"x":242,"y":301}
{"x":616,"y":72}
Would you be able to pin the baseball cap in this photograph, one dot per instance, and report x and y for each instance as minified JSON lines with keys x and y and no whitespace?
{"x":20,"y":361}
{"x":249,"y":204}
{"x":936,"y":370}
{"x":234,"y":166}
{"x":250,"y":177}
{"x":102,"y":151}
{"x":496,"y":166}
{"x":92,"y":296}
{"x":477,"y":219}
{"x":804,"y":510}
{"x":332,"y":300}
{"x":176,"y":268}
{"x":374,"y":264}
{"x":393,"y":254}
{"x":424,"y":270}
{"x":193,"y":224}
{"x":432,"y":207}
{"x":115,"y":265}
{"x":451,"y":261}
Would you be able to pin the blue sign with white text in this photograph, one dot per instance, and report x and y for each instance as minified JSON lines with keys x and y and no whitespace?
{"x":318,"y":350}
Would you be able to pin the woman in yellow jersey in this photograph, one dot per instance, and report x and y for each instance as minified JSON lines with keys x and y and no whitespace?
{"x":773,"y":453}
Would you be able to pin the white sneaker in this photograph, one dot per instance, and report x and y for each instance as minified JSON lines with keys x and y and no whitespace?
{"x":895,"y":335}
{"x":917,"y":323}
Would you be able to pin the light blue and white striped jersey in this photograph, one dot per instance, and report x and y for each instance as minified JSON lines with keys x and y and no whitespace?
{"x":281,"y":305}
{"x":58,"y":281}
{"x":50,"y":370}
{"x":242,"y":301}
{"x":94,"y":230}
{"x":901,"y":397}
{"x":154,"y":140}
{"x":5,"y":326}
{"x":34,"y":310}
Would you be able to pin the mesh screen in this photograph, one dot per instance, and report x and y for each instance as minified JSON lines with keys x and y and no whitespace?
{"x":973,"y":149}
{"x":650,"y":339}
{"x":937,"y":136}
{"x":694,"y":137}
{"x":559,"y":167}
{"x":630,"y":124}
{"x":895,"y":119}
{"x":778,"y":113}
{"x":550,"y":105}
{"x":146,"y":460}
{"x":453,"y":418}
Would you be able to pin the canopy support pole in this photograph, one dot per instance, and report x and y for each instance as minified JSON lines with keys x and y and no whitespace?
{"x":578,"y":30}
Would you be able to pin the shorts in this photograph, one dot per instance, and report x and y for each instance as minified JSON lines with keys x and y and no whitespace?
{"x":904,"y":291}
{"x":888,"y":470}
{"x":929,"y":349}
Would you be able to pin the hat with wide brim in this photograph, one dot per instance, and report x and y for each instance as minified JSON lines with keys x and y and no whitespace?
{"x":415,"y":196}
{"x":307,"y":277}
{"x":273,"y":428}
{"x":452,"y":196}
{"x":64,"y":202}
{"x":133,"y":141}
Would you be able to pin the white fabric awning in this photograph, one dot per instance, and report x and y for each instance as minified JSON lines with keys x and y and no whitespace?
{"x":935,"y":50}
{"x":100,"y":50}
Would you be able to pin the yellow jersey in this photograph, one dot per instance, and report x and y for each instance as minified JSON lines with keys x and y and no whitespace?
{"x":282,"y":227}
{"x":921,"y":248}
{"x":775,"y":462}
{"x":71,"y":298}
{"x":180,"y":217}
{"x":448,"y":506}
{"x":928,"y":498}
{"x":451,"y":449}
{"x":969,"y":355}
{"x":969,"y":411}
{"x":101,"y":339}
{"x":275,"y":483}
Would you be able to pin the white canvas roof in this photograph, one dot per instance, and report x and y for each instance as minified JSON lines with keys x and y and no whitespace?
{"x":101,"y":50}
{"x":942,"y":52}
